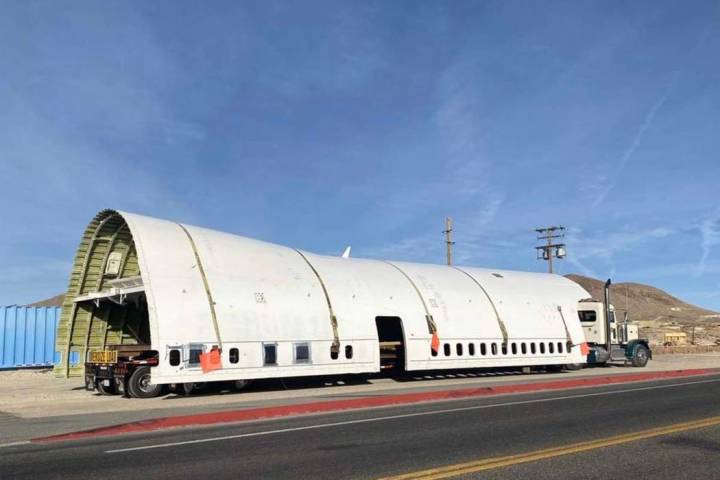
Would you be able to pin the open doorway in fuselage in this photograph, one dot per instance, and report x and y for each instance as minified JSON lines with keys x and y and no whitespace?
{"x":392,"y":344}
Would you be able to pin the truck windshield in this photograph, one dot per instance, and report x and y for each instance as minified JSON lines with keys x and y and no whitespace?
{"x":587,"y":315}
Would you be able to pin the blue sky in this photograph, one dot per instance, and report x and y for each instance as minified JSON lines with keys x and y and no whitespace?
{"x":326,"y":124}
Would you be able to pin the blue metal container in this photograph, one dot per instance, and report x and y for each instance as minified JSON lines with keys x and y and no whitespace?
{"x":27,"y":336}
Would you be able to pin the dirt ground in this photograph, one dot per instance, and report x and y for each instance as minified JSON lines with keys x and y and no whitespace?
{"x":36,"y":393}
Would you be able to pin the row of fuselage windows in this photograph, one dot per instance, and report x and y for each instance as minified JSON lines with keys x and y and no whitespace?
{"x":301,"y":351}
{"x":301,"y":354}
{"x":494,"y":349}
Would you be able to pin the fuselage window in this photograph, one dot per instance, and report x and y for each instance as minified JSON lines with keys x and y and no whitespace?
{"x":459,"y":349}
{"x":523,"y":348}
{"x":514,"y":348}
{"x":195,"y":356}
{"x":270,"y":354}
{"x":234,"y":355}
{"x":551,"y":347}
{"x":471,"y":349}
{"x":348,"y":351}
{"x":532,"y":348}
{"x":542,"y":347}
{"x":302,"y":353}
{"x":483,"y":349}
{"x":446,"y":349}
{"x":560,"y":347}
{"x":174,"y":357}
{"x":493,"y":347}
{"x":334,"y":354}
{"x":504,"y":348}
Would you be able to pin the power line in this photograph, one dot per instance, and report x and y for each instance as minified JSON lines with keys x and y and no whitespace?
{"x":550,"y":250}
{"x":448,"y":239}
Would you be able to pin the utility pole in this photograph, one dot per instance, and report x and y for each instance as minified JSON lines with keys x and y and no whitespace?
{"x":550,"y":250}
{"x":448,"y":239}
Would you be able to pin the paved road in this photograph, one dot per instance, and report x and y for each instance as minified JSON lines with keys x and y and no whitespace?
{"x":412,"y":439}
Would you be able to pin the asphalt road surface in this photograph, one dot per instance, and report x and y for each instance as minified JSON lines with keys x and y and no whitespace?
{"x":660,"y":430}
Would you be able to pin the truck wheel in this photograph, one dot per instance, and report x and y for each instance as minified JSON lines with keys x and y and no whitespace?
{"x":139,"y":385}
{"x":640,"y":356}
{"x":574,"y":366}
{"x":103,"y":390}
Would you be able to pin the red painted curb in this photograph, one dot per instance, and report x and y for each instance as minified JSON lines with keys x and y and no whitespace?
{"x":365,"y":402}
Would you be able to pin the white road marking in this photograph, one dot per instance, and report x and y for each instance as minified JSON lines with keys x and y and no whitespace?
{"x":405,"y":415}
{"x":14,"y":444}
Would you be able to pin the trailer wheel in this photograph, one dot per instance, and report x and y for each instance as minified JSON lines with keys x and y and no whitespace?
{"x":139,"y":385}
{"x":640,"y":356}
{"x":103,"y":390}
{"x":240,"y":384}
{"x":190,"y":388}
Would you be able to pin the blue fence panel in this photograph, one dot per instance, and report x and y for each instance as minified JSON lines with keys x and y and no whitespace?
{"x":27,"y":336}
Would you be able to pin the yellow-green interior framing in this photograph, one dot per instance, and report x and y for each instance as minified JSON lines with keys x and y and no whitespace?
{"x":86,"y":326}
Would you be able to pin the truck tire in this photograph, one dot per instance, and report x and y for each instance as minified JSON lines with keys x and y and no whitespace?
{"x":574,"y":366}
{"x":640,"y":356}
{"x":139,"y":385}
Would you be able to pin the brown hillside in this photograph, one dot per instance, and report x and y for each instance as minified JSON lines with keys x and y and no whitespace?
{"x":55,"y":301}
{"x":646,"y":303}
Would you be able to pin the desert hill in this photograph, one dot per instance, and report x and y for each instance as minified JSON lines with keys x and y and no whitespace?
{"x":644,"y":302}
{"x":55,"y":301}
{"x":656,"y":311}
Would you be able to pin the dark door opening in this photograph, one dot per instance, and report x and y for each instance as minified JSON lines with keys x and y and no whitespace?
{"x":392,"y":344}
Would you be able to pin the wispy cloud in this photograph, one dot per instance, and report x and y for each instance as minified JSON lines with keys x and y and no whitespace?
{"x":602,"y":249}
{"x":463,"y":185}
{"x":634,"y":144}
{"x":710,"y":238}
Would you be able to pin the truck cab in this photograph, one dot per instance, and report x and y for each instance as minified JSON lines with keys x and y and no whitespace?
{"x":609,"y":340}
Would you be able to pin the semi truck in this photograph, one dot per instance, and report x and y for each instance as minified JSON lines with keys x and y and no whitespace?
{"x":609,"y":340}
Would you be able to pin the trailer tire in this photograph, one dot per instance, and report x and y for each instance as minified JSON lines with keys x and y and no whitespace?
{"x":139,"y":385}
{"x":640,"y":356}
{"x":103,"y":390}
{"x":240,"y":384}
{"x":190,"y":388}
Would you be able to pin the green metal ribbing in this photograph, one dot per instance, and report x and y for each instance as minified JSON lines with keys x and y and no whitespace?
{"x":84,"y":326}
{"x":98,"y":286}
{"x":78,"y":279}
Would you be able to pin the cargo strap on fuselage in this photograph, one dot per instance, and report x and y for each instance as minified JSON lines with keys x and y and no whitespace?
{"x":500,"y":322}
{"x":432,"y":326}
{"x":333,"y":319}
{"x":210,"y":300}
{"x":567,"y":331}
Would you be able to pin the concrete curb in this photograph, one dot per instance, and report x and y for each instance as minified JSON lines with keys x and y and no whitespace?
{"x":260,"y":413}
